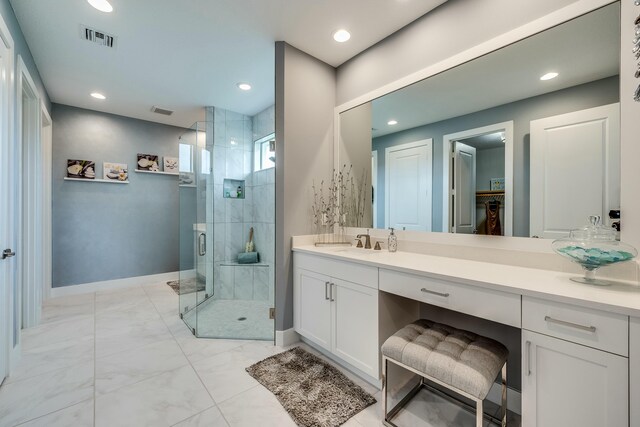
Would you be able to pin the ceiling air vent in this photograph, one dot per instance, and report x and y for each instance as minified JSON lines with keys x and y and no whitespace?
{"x":97,"y":36}
{"x":162,"y":111}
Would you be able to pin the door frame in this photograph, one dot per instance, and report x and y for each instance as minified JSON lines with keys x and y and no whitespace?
{"x":46,"y":135}
{"x":7,"y":177}
{"x":374,"y":184}
{"x":447,"y":144}
{"x":428,"y":142}
{"x":29,"y":201}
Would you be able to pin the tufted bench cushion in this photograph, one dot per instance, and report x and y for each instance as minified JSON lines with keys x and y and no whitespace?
{"x":461,"y":359}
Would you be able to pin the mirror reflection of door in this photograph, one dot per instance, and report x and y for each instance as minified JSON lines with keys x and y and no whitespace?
{"x":408,"y":176}
{"x":479,"y":165}
{"x":575,"y":162}
{"x":464,"y":188}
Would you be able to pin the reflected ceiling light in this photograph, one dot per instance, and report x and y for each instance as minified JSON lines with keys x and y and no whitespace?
{"x":101,"y":5}
{"x":98,"y":95}
{"x":244,"y":86}
{"x":392,"y":122}
{"x":233,"y":142}
{"x":549,"y":76}
{"x":341,"y":36}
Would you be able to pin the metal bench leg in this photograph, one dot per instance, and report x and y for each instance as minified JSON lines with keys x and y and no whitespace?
{"x":385,"y":364}
{"x":479,"y":413}
{"x":504,"y":395}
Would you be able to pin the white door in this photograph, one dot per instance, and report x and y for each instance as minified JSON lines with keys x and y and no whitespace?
{"x":313,"y":312}
{"x":408,"y":192}
{"x":567,"y":384}
{"x":575,"y":169}
{"x":355,"y":315}
{"x":463,"y":192}
{"x":7,"y":203}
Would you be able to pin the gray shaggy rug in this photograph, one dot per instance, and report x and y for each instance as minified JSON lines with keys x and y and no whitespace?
{"x":313,"y":392}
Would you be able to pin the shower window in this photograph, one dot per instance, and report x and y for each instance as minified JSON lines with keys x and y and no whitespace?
{"x":186,"y":158}
{"x":265,"y":153}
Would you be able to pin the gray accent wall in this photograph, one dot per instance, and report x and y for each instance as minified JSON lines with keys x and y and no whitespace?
{"x":451,"y":28}
{"x":600,"y":92}
{"x":105,"y":231}
{"x":305,"y":96}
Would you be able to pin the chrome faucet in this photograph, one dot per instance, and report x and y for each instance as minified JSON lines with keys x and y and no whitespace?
{"x":367,"y":241}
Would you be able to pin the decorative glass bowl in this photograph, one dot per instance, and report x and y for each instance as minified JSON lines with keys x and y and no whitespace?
{"x":592,"y":247}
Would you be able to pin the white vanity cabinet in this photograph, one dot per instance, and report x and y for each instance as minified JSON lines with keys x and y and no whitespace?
{"x":564,"y":381}
{"x":336,"y":308}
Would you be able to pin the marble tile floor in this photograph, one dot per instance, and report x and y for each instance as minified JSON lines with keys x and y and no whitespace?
{"x":124,"y":358}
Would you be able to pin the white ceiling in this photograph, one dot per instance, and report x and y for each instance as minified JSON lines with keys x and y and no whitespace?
{"x":184,"y":55}
{"x":582,"y":50}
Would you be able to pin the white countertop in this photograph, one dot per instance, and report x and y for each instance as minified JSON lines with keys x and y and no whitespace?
{"x":623,"y":298}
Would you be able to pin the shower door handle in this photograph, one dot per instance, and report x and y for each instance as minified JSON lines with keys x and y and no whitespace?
{"x":202,"y":244}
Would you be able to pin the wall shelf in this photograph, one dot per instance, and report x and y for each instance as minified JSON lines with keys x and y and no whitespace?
{"x":158,"y":172}
{"x":104,"y":181}
{"x":187,"y":185}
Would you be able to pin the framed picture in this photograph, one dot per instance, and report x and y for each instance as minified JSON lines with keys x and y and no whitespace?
{"x":82,"y":169}
{"x":148,"y":162}
{"x":186,"y":178}
{"x":171,"y":164}
{"x":496,"y":184}
{"x":115,"y":171}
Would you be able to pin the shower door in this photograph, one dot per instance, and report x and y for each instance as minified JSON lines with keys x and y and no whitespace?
{"x":195,"y":182}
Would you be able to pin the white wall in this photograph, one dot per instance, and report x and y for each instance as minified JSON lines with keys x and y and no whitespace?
{"x":453,"y":27}
{"x":305,"y":96}
{"x":630,"y":129}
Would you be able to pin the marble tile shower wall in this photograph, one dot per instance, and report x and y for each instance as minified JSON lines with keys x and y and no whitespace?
{"x":233,"y":138}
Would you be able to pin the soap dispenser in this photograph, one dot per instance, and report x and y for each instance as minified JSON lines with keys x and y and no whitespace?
{"x":393,"y":241}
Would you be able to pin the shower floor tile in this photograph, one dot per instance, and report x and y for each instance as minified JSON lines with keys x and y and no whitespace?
{"x":232,"y":319}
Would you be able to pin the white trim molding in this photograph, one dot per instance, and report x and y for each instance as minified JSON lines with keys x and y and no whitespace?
{"x":287,"y":337}
{"x":126,"y":282}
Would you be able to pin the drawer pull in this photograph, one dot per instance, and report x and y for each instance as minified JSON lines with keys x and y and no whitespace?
{"x":440,"y":294}
{"x":569,"y":324}
{"x":326,"y":290}
{"x":331,"y":297}
{"x":528,"y":355}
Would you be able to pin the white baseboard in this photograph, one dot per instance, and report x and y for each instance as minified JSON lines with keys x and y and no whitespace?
{"x":287,"y":337}
{"x":113,"y":284}
{"x":514,"y":398}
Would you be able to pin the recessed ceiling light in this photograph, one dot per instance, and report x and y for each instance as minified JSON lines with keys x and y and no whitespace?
{"x":341,"y":36}
{"x":98,"y":95}
{"x":101,"y":5}
{"x":549,"y":76}
{"x":244,"y":86}
{"x":392,"y":122}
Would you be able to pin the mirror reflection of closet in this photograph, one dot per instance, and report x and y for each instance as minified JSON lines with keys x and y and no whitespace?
{"x":465,"y":104}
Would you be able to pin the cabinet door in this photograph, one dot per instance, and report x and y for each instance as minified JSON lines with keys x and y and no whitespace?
{"x":355,"y":314}
{"x":567,"y":384}
{"x":312,"y":307}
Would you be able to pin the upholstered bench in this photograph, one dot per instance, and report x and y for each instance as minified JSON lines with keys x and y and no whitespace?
{"x":459,"y":360}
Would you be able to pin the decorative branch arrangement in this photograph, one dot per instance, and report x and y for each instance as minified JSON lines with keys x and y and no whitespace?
{"x":341,"y":204}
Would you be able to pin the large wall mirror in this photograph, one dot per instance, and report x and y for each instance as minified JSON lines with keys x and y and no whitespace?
{"x":523,"y":141}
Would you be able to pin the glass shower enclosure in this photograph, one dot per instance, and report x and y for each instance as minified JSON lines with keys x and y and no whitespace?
{"x":222,"y":226}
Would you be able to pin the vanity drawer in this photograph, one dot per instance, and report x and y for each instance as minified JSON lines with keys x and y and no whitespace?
{"x":350,"y":271}
{"x":501,"y":307}
{"x":586,"y":326}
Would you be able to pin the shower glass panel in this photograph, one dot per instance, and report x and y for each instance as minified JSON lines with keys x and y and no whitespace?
{"x":195,"y":230}
{"x":227,"y":226}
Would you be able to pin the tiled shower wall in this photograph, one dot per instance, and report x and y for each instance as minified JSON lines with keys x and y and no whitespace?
{"x":233,"y":138}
